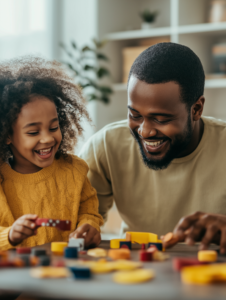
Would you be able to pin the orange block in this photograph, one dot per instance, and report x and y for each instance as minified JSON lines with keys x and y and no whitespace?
{"x":121,"y":253}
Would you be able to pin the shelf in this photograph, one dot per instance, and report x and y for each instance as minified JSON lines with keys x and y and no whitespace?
{"x":139,"y":34}
{"x":210,"y":84}
{"x":202,"y":28}
{"x":207,"y":28}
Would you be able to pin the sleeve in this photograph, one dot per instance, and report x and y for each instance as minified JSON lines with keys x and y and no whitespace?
{"x":94,"y":153}
{"x":6,"y":220}
{"x":88,"y":209}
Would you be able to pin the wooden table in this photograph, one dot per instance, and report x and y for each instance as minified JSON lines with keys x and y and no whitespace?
{"x":166,"y":285}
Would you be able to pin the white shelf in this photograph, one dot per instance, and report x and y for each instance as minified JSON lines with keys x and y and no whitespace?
{"x":202,"y":28}
{"x":209,"y":84}
{"x":207,"y":28}
{"x":138,"y":34}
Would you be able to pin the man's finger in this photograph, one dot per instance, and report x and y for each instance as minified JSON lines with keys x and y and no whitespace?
{"x":184,"y":224}
{"x":79,"y":232}
{"x":211,"y":232}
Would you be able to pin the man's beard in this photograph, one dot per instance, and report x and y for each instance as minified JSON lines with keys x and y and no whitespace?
{"x":181,"y":142}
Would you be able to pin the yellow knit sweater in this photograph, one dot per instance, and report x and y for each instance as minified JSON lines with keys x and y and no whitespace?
{"x":60,"y":191}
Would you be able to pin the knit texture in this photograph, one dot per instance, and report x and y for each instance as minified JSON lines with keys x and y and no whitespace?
{"x":60,"y":191}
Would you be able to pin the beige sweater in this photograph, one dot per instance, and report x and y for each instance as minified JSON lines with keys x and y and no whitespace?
{"x":154,"y":201}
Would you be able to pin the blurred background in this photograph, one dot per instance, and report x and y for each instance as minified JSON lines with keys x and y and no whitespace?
{"x":98,"y":40}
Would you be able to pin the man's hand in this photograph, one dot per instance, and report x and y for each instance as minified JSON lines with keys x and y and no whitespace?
{"x":90,"y":234}
{"x":22,"y":228}
{"x":203,"y":227}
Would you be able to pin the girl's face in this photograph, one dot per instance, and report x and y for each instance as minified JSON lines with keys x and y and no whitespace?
{"x":36,"y":136}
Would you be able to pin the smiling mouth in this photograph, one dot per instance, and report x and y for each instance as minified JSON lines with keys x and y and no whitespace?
{"x":154,"y":144}
{"x":44,"y":151}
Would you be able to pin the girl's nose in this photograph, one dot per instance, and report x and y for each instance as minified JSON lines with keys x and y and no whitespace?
{"x":47,"y":139}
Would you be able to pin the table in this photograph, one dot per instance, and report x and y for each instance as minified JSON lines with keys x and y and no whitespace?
{"x":166,"y":285}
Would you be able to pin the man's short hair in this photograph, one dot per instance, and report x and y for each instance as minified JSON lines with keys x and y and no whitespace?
{"x":166,"y":62}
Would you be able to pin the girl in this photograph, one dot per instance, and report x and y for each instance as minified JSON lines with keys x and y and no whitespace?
{"x":40,"y":120}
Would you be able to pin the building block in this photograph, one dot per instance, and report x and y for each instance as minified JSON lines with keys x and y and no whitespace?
{"x":119,"y":253}
{"x":97,"y":252}
{"x":125,"y":243}
{"x":38,"y":252}
{"x":143,"y":237}
{"x":207,"y":255}
{"x":26,"y":259}
{"x":58,"y":247}
{"x":128,"y":236}
{"x":80,"y":272}
{"x":115,"y":243}
{"x":23,"y":250}
{"x":78,"y":243}
{"x":71,"y":252}
{"x":145,"y":255}
{"x":157,"y":245}
{"x":59,"y":224}
{"x":181,"y":262}
{"x":44,"y":260}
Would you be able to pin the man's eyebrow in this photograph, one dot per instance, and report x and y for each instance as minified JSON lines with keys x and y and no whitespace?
{"x":38,"y":123}
{"x":153,"y":114}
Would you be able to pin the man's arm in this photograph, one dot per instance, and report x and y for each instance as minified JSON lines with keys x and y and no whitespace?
{"x":203,"y":227}
{"x":94,"y":153}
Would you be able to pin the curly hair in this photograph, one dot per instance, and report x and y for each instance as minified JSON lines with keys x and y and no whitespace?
{"x":26,"y":76}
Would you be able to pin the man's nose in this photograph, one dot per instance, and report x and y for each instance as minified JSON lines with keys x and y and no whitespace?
{"x":147,"y":130}
{"x":46,"y":138}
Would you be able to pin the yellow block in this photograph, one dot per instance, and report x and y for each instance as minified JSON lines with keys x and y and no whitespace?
{"x":204,"y":274}
{"x":58,"y":247}
{"x":143,"y":237}
{"x":115,"y":243}
{"x":131,"y":277}
{"x":49,"y":272}
{"x":207,"y":255}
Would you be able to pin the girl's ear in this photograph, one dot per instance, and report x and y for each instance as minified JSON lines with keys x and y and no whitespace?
{"x":8,"y":141}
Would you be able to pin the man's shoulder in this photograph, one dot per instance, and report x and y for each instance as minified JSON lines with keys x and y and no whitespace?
{"x":214,"y":123}
{"x":215,"y":128}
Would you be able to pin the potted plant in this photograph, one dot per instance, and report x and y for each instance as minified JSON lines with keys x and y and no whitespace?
{"x":88,"y":65}
{"x":148,"y":17}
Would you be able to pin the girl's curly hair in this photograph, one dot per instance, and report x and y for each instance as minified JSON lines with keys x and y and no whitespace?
{"x":23,"y":77}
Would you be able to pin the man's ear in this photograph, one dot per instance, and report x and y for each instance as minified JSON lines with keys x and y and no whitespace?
{"x":197,"y":108}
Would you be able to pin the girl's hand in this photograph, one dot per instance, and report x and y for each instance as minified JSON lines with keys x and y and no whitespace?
{"x":90,"y":234}
{"x":22,"y":228}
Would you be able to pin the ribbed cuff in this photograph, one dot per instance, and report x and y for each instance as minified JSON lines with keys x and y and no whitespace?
{"x":90,"y":222}
{"x":4,"y":238}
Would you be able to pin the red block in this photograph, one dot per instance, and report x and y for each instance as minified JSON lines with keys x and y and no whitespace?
{"x":23,"y":250}
{"x":180,"y":262}
{"x":145,"y":256}
{"x":6,"y":264}
{"x":59,"y":224}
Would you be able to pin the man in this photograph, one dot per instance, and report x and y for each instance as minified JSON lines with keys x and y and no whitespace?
{"x":183,"y":163}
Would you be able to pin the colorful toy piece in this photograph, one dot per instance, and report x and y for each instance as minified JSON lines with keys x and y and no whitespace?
{"x":59,"y":224}
{"x":97,"y":252}
{"x":44,"y":260}
{"x":23,"y":250}
{"x":119,"y":253}
{"x":58,"y":247}
{"x":125,"y":243}
{"x":131,"y":277}
{"x":205,"y":274}
{"x":49,"y":272}
{"x":80,"y":272}
{"x":79,"y":243}
{"x":143,"y":237}
{"x":207,"y":255}
{"x":71,"y":252}
{"x":157,"y":245}
{"x":181,"y":262}
{"x":38,"y":252}
{"x":115,"y":243}
{"x":145,"y":255}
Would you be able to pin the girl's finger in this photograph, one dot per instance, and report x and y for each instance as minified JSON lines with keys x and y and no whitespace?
{"x":24,"y":230}
{"x":29,"y":217}
{"x":26,"y":223}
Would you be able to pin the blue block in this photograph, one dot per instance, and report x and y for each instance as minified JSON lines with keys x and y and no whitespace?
{"x":71,"y":252}
{"x":127,"y":243}
{"x":81,"y":272}
{"x":158,"y":245}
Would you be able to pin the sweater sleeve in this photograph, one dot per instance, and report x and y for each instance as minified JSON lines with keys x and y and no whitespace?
{"x":94,"y":153}
{"x":6,"y":221}
{"x":88,"y":209}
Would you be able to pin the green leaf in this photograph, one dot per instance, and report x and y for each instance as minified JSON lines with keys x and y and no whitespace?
{"x":99,"y":44}
{"x":105,"y":89}
{"x":101,"y":72}
{"x":101,"y":56}
{"x":105,"y":99}
{"x":93,"y":97}
{"x":86,"y":48}
{"x":73,"y":45}
{"x":72,"y":68}
{"x":88,"y":67}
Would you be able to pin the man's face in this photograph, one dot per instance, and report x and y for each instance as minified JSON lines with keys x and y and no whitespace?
{"x":159,"y":121}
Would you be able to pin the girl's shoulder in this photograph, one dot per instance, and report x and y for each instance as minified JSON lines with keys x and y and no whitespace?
{"x":74,"y":163}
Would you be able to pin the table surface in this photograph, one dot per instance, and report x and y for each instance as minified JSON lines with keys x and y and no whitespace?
{"x":165,"y":285}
